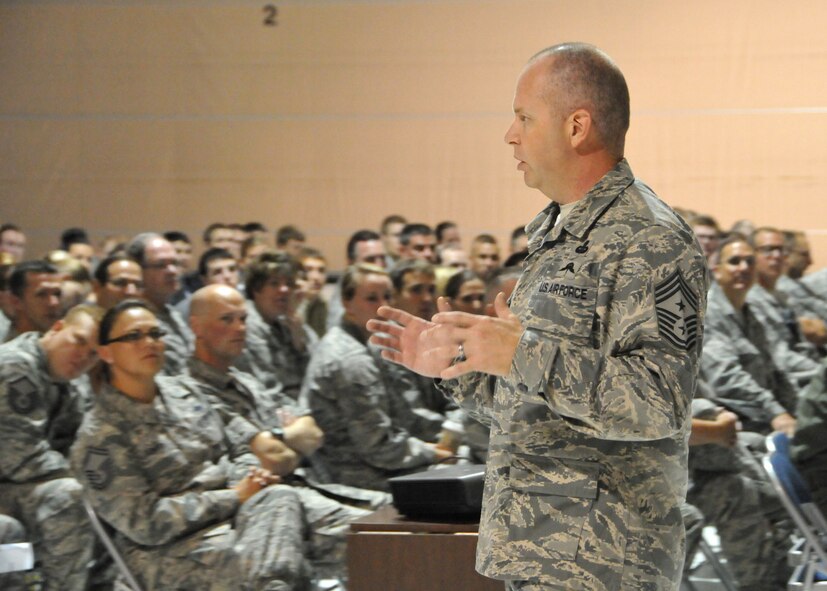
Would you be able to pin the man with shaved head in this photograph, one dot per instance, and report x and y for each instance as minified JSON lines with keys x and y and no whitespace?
{"x":587,"y":378}
{"x":278,"y":431}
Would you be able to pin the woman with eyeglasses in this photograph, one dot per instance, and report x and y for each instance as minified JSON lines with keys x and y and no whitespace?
{"x":466,"y":292}
{"x":155,"y":464}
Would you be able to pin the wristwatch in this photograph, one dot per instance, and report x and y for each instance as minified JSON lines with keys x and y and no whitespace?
{"x":278,"y":433}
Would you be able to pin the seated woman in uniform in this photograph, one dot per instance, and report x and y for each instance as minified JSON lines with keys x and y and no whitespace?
{"x":155,"y":464}
{"x":466,"y":292}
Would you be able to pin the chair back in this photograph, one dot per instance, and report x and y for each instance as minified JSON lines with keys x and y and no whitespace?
{"x":102,"y":531}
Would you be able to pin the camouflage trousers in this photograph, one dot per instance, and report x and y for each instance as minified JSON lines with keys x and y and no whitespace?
{"x":57,"y":526}
{"x":262,"y":549}
{"x":743,"y":512}
{"x":328,"y":522}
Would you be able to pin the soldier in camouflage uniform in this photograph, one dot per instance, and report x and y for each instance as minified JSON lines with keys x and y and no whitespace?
{"x":737,"y":362}
{"x":365,"y":441}
{"x":156,"y":465}
{"x":809,"y":446}
{"x":279,"y":343}
{"x":587,"y":384}
{"x":33,"y":298}
{"x":162,"y":279}
{"x":39,"y":415}
{"x":792,"y":354}
{"x":253,"y":419}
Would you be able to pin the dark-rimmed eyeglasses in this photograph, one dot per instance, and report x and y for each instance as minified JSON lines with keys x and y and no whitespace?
{"x":772,"y":249}
{"x":136,"y":336}
{"x":736,"y":260}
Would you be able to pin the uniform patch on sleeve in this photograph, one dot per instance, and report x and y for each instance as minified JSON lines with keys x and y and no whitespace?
{"x":97,"y":467}
{"x":23,"y":395}
{"x":677,"y":309}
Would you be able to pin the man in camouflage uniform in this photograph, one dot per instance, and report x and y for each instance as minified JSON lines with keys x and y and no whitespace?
{"x":793,"y":355}
{"x":809,"y":305}
{"x":269,"y":424}
{"x":162,"y":279}
{"x":39,"y":415}
{"x":156,"y":465}
{"x":279,"y":343}
{"x":809,"y":445}
{"x":34,"y":298}
{"x":737,"y":362}
{"x":365,"y":439}
{"x":587,"y":384}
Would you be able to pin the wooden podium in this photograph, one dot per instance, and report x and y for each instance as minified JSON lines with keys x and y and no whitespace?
{"x":389,"y":552}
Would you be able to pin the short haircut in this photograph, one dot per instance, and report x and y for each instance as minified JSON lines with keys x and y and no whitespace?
{"x":18,"y":277}
{"x":210,"y":255}
{"x":207,"y":235}
{"x":517,"y":233}
{"x":394,"y":218}
{"x":251,"y":227}
{"x":757,"y":231}
{"x":359,"y":236}
{"x":402,"y":268}
{"x":414,"y":230}
{"x":102,"y":270}
{"x":9,"y":228}
{"x":69,"y":266}
{"x":441,"y":227}
{"x":72,"y":236}
{"x":111,"y":316}
{"x":484,"y":239}
{"x":515,"y":260}
{"x":730,"y":238}
{"x":177,"y":236}
{"x":457,"y":280}
{"x":310,"y":253}
{"x":585,"y":77}
{"x":354,"y":275}
{"x":94,"y":312}
{"x":287,"y":233}
{"x":136,"y":248}
{"x":704,"y":220}
{"x":267,"y":265}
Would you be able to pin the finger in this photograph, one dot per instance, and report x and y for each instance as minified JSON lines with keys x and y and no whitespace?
{"x":501,"y":307}
{"x":396,"y":315}
{"x":394,"y":356}
{"x":443,"y":304}
{"x":456,"y":370}
{"x":375,"y":325}
{"x":385,"y":342}
{"x":459,"y":319}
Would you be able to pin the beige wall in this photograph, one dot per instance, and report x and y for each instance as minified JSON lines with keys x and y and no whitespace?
{"x":130,"y":116}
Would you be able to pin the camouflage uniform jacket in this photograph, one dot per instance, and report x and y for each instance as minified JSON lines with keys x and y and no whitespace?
{"x":178,"y":342}
{"x":803,"y":299}
{"x":794,"y":356}
{"x":737,"y":364}
{"x":587,"y":464}
{"x":817,"y":282}
{"x":38,"y":415}
{"x":271,"y":356}
{"x":364,"y":444}
{"x":245,"y":408}
{"x":158,"y":472}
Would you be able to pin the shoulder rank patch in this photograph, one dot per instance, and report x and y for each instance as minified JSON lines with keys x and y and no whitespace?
{"x":23,"y":395}
{"x":97,"y":467}
{"x":677,"y":309}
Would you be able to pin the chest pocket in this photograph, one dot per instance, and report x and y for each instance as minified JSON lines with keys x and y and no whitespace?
{"x":564,"y":302}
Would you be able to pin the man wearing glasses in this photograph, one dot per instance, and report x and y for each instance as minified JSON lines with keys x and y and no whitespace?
{"x":792,"y":354}
{"x":117,"y":278}
{"x":162,"y":279}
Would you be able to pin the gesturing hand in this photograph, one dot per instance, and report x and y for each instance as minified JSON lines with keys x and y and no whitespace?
{"x":488,"y":342}
{"x":410,"y":341}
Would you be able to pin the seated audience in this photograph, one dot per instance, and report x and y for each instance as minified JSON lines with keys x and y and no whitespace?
{"x":364,"y":443}
{"x":417,"y":242}
{"x":466,"y":293}
{"x":391,"y":230}
{"x":156,"y":465}
{"x":290,"y":239}
{"x":117,"y":278}
{"x":34,"y":298}
{"x":485,"y":256}
{"x":313,"y":307}
{"x":12,"y":242}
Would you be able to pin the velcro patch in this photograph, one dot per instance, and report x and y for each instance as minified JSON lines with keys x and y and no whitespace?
{"x":677,"y":310}
{"x":98,"y":468}
{"x":23,"y":395}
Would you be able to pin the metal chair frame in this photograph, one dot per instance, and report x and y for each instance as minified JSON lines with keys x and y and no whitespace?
{"x":102,"y":531}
